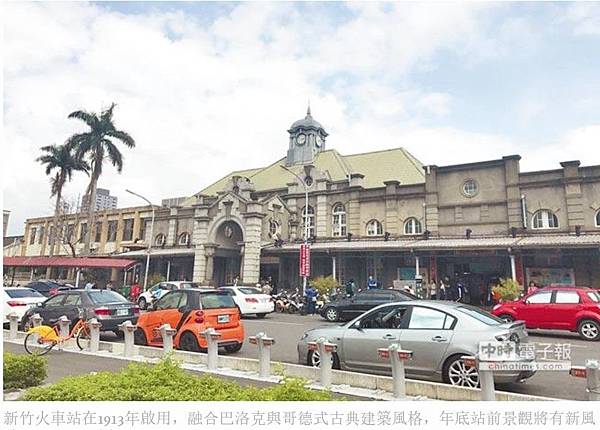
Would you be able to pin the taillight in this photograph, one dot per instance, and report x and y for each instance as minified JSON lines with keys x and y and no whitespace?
{"x":251,"y":300}
{"x":16,"y":303}
{"x":199,"y":317}
{"x":102,"y":311}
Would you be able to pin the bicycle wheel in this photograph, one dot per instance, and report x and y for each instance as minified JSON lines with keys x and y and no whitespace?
{"x":83,"y":337}
{"x":35,"y":345}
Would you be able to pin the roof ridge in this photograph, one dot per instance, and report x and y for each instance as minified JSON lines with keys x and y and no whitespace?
{"x":416,"y":162}
{"x":399,"y":148}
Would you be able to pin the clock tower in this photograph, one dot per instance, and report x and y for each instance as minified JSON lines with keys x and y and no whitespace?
{"x":307,"y":139}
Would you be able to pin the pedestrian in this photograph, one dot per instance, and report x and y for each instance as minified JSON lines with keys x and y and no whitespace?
{"x":371,"y":283}
{"x":235,"y":281}
{"x":135,"y":292}
{"x":350,"y":288}
{"x":274,"y":289}
{"x":311,"y":299}
{"x":109,"y":285}
{"x":88,"y":286}
{"x":532,"y":287}
{"x":442,"y":290}
{"x":432,"y":290}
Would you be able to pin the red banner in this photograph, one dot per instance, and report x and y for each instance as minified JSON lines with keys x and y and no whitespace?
{"x":305,"y":260}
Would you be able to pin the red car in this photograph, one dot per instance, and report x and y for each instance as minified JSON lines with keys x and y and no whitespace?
{"x":575,"y":309}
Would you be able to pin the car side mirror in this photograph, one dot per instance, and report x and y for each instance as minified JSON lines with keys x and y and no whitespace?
{"x":183,"y":309}
{"x":357,"y":325}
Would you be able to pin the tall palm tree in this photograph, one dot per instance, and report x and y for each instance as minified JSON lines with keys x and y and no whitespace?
{"x":60,"y":162}
{"x":95,"y":146}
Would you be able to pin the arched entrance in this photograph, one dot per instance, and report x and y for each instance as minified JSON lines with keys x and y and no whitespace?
{"x":228,"y":253}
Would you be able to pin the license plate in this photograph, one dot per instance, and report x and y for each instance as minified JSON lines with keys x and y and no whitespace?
{"x":221,"y":319}
{"x":122,"y":312}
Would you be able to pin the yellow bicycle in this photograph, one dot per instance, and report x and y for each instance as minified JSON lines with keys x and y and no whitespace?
{"x":40,"y":340}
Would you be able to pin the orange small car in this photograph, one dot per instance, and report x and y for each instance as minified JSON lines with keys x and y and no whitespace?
{"x":190,"y":312}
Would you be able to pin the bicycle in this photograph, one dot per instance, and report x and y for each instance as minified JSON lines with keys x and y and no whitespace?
{"x":40,"y":340}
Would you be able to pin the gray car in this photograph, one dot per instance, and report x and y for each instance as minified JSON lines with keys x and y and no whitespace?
{"x":439,"y":333}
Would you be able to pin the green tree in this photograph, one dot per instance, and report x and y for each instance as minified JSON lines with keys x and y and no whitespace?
{"x":60,"y":162}
{"x":97,"y":145}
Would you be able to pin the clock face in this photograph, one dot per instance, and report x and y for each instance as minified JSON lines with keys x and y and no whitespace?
{"x":318,"y":141}
{"x":301,"y":139}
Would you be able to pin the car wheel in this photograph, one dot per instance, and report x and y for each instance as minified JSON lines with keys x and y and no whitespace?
{"x":142,"y":303}
{"x":292,"y":309}
{"x":456,"y":372}
{"x":314,"y":359}
{"x":188,"y":342}
{"x":506,"y":318}
{"x":139,"y":337}
{"x":589,"y":330}
{"x":332,"y":314}
{"x":233,"y":348}
{"x":261,"y":315}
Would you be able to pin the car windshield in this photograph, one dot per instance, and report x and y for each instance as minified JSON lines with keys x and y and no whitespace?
{"x":246,"y":290}
{"x":21,"y":293}
{"x":216,"y":301}
{"x":102,"y":297}
{"x":480,"y":315}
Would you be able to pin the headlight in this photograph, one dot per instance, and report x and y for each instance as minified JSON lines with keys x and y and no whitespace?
{"x":304,"y":336}
{"x":502,"y":337}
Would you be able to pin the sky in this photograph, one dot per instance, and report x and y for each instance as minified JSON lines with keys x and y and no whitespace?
{"x":207,"y":88}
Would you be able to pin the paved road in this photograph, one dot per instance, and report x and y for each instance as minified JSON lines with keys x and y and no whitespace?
{"x":287,"y":329}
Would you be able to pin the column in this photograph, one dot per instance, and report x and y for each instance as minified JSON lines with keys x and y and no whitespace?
{"x":200,"y":237}
{"x":251,"y":265}
{"x":172,"y":230}
{"x":333,"y":266}
{"x":513,"y":267}
{"x":209,"y":252}
{"x":417,"y":268}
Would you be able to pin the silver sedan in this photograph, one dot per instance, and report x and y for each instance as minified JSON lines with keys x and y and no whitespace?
{"x":439,"y":333}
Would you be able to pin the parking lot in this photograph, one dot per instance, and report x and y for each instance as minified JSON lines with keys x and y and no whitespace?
{"x":286,"y":329}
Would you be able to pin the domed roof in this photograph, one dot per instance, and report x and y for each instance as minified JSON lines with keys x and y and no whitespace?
{"x":307,"y":122}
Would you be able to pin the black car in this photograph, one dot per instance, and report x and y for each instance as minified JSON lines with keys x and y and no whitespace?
{"x":349,"y":307}
{"x":47,"y":288}
{"x":108,"y":307}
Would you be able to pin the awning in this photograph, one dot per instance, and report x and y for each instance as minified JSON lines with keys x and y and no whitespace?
{"x":81,"y":262}
{"x":570,"y":241}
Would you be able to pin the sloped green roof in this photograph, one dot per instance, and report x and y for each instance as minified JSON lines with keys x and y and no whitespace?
{"x":377,"y":167}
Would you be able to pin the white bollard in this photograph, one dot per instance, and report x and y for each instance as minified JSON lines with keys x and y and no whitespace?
{"x":326,"y":350}
{"x":64,"y":324}
{"x":36,"y":320}
{"x":128,"y":329}
{"x":94,"y":344}
{"x":212,"y":342}
{"x":397,"y":356}
{"x":14,"y":325}
{"x":167,"y":333}
{"x":486,"y":378}
{"x":591,"y":372}
{"x":264,"y":344}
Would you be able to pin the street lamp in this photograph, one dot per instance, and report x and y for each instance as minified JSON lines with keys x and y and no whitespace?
{"x":303,"y":182}
{"x":151,"y":236}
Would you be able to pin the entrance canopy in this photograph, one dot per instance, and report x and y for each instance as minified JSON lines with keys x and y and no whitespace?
{"x":79,"y":262}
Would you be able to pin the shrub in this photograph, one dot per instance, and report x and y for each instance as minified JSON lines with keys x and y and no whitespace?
{"x":508,"y":290}
{"x":23,"y":371}
{"x":154,"y":278}
{"x":166,"y":381}
{"x":325,"y":285}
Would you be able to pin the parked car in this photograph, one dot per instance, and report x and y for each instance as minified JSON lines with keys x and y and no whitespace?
{"x":346,"y":308}
{"x":108,"y":307}
{"x":439,"y":334}
{"x":18,"y":300}
{"x":251,"y":300}
{"x":48,"y":288}
{"x":576,"y":309}
{"x":191,"y":311}
{"x":158,"y":290}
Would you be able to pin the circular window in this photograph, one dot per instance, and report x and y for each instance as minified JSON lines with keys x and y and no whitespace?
{"x":308,"y":181}
{"x":470,"y":188}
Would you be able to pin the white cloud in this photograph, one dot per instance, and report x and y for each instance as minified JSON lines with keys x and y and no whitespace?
{"x":584,"y":17}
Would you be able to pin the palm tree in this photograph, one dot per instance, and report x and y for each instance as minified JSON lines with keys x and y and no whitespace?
{"x":96,"y":145}
{"x":60,"y":159}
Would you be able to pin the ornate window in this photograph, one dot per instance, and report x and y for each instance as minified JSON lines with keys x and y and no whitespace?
{"x":308,"y":221}
{"x":544,"y":219}
{"x":470,"y":188}
{"x":412,"y":226}
{"x":339,"y":220}
{"x":112,"y":231}
{"x":598,"y":219}
{"x":184,"y":239}
{"x":273,"y":228}
{"x":374,"y":228}
{"x":160,"y":239}
{"x":128,"y":229}
{"x":32,"y":235}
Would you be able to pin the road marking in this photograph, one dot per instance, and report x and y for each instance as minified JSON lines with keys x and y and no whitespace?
{"x":271,"y":322}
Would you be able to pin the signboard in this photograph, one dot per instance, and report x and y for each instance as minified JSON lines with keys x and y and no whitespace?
{"x":545,"y":276}
{"x":304,"y":260}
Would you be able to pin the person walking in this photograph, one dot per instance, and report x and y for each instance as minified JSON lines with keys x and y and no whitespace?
{"x":371,"y":283}
{"x":350,"y":288}
{"x":311,"y":299}
{"x":109,"y":286}
{"x":432,"y":290}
